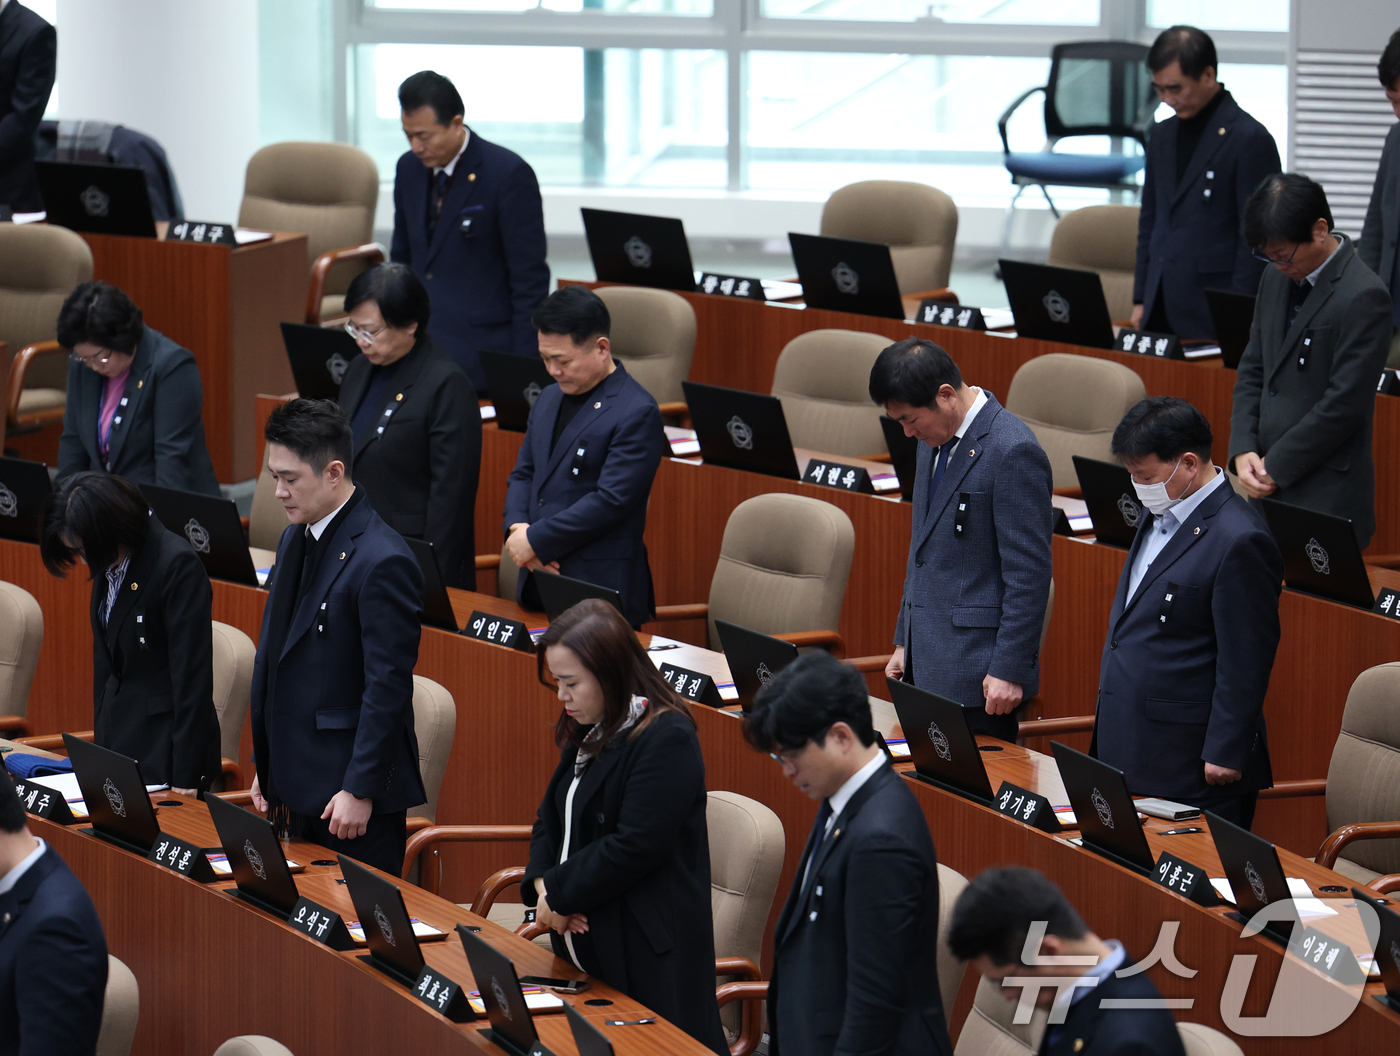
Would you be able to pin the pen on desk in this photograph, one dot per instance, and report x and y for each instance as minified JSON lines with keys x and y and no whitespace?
{"x":628,"y":1022}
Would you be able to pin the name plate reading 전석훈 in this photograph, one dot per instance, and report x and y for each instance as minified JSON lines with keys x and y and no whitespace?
{"x":185,"y":858}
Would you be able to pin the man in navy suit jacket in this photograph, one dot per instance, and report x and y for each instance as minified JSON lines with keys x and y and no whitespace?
{"x":28,"y":49}
{"x":1194,"y":626}
{"x":53,"y":954}
{"x":332,"y":708}
{"x":468,"y":220}
{"x":576,"y":502}
{"x":1202,"y":165}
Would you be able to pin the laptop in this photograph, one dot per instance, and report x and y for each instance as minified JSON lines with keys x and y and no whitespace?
{"x":846,"y":275}
{"x":1114,"y":507}
{"x":25,"y":490}
{"x":741,"y":430}
{"x":99,"y":199}
{"x":904,"y":455}
{"x":940,"y":741}
{"x":1387,"y":949}
{"x":511,"y":1026}
{"x":639,"y":250}
{"x":437,"y":606}
{"x":118,"y":804}
{"x":589,"y":1040}
{"x":393,"y":947}
{"x":1108,"y":820}
{"x":319,"y":356}
{"x":515,"y":383}
{"x":212,"y":527}
{"x":1057,"y":304}
{"x":753,"y":658}
{"x":559,"y":593}
{"x":256,"y":856}
{"x":1320,"y":553}
{"x":1251,"y":865}
{"x":1232,"y":315}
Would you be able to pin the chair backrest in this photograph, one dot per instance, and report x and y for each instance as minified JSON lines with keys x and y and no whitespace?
{"x":1101,"y":238}
{"x":21,"y":636}
{"x":1099,"y":88}
{"x":1073,"y":403}
{"x":783,"y":565}
{"x":950,"y":969}
{"x":822,"y":378}
{"x":918,"y":222}
{"x":120,"y":1007}
{"x":234,"y":652}
{"x":989,"y":1030}
{"x":653,"y":336}
{"x":39,"y":266}
{"x":1363,"y":780}
{"x":252,"y":1045}
{"x":267,"y":519}
{"x":434,"y":723}
{"x":1199,"y":1040}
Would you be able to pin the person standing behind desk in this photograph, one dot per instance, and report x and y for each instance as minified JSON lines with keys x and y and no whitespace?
{"x":415,"y":418}
{"x":152,"y":633}
{"x":1305,"y":391}
{"x":469,"y":220}
{"x":1377,"y":246}
{"x":28,"y":65}
{"x":978,"y":575}
{"x":1201,"y":166}
{"x":576,"y":501}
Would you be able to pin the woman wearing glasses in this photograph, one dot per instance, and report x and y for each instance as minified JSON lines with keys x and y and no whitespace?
{"x":133,"y":396}
{"x":415,"y":418}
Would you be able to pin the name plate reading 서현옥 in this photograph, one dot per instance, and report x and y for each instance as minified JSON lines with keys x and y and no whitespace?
{"x":731,"y":286}
{"x":323,"y":925}
{"x":1387,"y":603}
{"x":439,"y":992}
{"x":44,"y":802}
{"x":1026,"y":806}
{"x":1330,"y":957}
{"x":1149,"y":343}
{"x":1176,"y":874}
{"x":184,"y":858}
{"x":838,"y":475}
{"x":941,"y":313}
{"x":692,"y":685}
{"x":195,"y":231}
{"x":499,"y":631}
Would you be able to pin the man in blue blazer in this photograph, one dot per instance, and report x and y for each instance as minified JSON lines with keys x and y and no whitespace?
{"x":468,"y":219}
{"x":1202,"y":165}
{"x":53,"y":953}
{"x":1194,"y":626}
{"x":978,"y":575}
{"x":28,"y":64}
{"x":332,"y":709}
{"x":576,"y":502}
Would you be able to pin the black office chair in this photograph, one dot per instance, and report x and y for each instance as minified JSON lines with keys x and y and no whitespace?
{"x":1096,"y":88}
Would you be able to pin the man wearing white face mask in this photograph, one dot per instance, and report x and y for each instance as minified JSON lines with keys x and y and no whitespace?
{"x":1194,"y":626}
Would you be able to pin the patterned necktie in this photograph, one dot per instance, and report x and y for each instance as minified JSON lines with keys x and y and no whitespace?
{"x":940,"y":468}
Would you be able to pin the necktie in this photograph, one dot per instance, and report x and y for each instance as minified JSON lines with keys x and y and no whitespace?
{"x":438,"y":196}
{"x":1297,"y":294}
{"x":940,"y":468}
{"x":815,"y":839}
{"x":286,"y":585}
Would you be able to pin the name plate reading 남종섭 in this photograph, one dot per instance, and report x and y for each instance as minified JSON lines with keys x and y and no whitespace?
{"x":499,"y":631}
{"x":1026,"y":806}
{"x":941,"y":313}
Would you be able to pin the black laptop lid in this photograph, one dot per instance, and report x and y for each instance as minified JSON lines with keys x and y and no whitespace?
{"x":589,"y":1039}
{"x":499,"y":987}
{"x":1057,"y":304}
{"x":25,"y":490}
{"x":1108,"y":820}
{"x":255,"y":855}
{"x":1251,"y":865}
{"x":753,"y":658}
{"x":639,"y":250}
{"x":1114,"y":507}
{"x":741,"y":430}
{"x":1387,"y":944}
{"x":515,"y":383}
{"x":388,"y":930}
{"x":1321,"y":554}
{"x":1232,"y":315}
{"x":437,"y":606}
{"x":846,"y":275}
{"x":212,"y":527}
{"x":904,"y":455}
{"x":559,"y":593}
{"x":941,"y":744}
{"x":118,"y":804}
{"x":319,"y":356}
{"x":100,"y":199}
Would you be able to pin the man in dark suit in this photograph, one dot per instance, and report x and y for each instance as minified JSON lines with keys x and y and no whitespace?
{"x":1194,"y":625}
{"x":1381,"y":233}
{"x":1201,"y":166}
{"x":468,"y":219}
{"x":53,"y":953}
{"x":978,"y":574}
{"x":576,"y":502}
{"x":855,"y":953}
{"x":992,"y":927}
{"x":28,"y":62}
{"x":1305,"y":393}
{"x":332,"y":709}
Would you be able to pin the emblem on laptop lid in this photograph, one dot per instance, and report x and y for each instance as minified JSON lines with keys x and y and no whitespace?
{"x":940,"y":743}
{"x":9,"y":502}
{"x":114,"y":798}
{"x":532,"y":393}
{"x":95,"y":201}
{"x":336,"y":366}
{"x":1256,"y":882}
{"x":254,"y":860}
{"x":847,"y":278}
{"x":500,"y":993}
{"x":1056,"y":306}
{"x":1321,"y":562}
{"x":1130,"y":511}
{"x":385,"y":928}
{"x":764,"y":674}
{"x":740,"y":433}
{"x":638,"y":252}
{"x":1101,"y":808}
{"x":198,"y":536}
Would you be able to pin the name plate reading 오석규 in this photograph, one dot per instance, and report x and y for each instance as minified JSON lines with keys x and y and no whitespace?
{"x":322,"y":924}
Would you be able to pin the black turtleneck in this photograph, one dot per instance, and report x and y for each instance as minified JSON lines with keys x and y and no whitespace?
{"x":1189,"y":131}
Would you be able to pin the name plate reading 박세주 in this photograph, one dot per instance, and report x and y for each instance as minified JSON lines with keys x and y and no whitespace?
{"x":692,"y":685}
{"x":185,"y":858}
{"x":941,"y":313}
{"x":731,"y":286}
{"x":1026,"y":806}
{"x":499,"y":631}
{"x":197,"y":231}
{"x":44,"y":802}
{"x":1177,"y":874}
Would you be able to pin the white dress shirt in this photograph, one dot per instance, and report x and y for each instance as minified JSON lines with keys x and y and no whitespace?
{"x":8,"y":881}
{"x":320,"y":526}
{"x":1313,"y":275}
{"x":1164,"y":527}
{"x":451,"y":166}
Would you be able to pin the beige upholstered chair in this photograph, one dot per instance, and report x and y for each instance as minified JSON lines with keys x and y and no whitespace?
{"x":252,"y":1045}
{"x":1101,"y":238}
{"x":329,"y":191}
{"x":823,"y":380}
{"x":653,"y":336}
{"x":120,"y":1007}
{"x":39,"y":266}
{"x":989,"y":1030}
{"x":1200,"y":1040}
{"x":435,"y":724}
{"x":267,"y":519}
{"x":21,"y":635}
{"x":1073,"y":403}
{"x":918,"y":222}
{"x":233,"y":688}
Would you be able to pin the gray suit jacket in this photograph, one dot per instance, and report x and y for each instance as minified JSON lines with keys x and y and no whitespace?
{"x":1304,"y":399}
{"x":974,"y":600}
{"x":1376,"y":246}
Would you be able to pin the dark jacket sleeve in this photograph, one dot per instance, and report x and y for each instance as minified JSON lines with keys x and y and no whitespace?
{"x":547,"y":833}
{"x":454,"y":455}
{"x":72,"y":455}
{"x":1147,"y":220}
{"x":523,"y":242}
{"x":33,"y":84}
{"x":1021,"y":513}
{"x":398,"y":244}
{"x":521,"y":479}
{"x":60,"y":985}
{"x":1372,"y":241}
{"x":1257,"y":160}
{"x":1249,"y":389}
{"x":189,"y":635}
{"x":179,"y":397}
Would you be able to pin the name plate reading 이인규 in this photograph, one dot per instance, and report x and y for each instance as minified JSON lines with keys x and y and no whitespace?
{"x":499,"y":631}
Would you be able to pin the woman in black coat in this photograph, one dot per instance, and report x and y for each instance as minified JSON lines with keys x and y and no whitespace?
{"x":152,"y":648}
{"x":620,"y":857}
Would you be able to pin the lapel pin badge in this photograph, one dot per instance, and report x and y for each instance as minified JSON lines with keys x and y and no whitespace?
{"x":342,"y":553}
{"x":1221,"y":131}
{"x":596,"y":406}
{"x":141,"y":383}
{"x":133,"y":586}
{"x":471,"y":177}
{"x":1197,"y":530}
{"x":399,"y":397}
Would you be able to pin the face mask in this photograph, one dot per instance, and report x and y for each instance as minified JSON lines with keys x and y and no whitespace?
{"x":1154,"y":496}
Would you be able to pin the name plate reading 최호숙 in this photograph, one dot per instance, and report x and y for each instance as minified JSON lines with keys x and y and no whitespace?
{"x":838,"y":475}
{"x":439,"y":992}
{"x":322,"y":924}
{"x":692,"y":685}
{"x":1148,"y":343}
{"x":185,"y":858}
{"x":44,"y":802}
{"x":499,"y":631}
{"x":941,"y":313}
{"x":1026,"y":806}
{"x":1176,"y":874}
{"x":731,"y":286}
{"x":1387,"y":603}
{"x":196,"y":231}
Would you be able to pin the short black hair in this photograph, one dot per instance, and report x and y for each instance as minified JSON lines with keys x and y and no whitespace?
{"x":804,"y":700}
{"x":1189,"y":47}
{"x":426,"y":88}
{"x":12,"y":816}
{"x":400,"y":294}
{"x":103,"y":514}
{"x":1164,"y":426}
{"x":573,"y":310}
{"x":995,"y":911}
{"x":1283,"y":208}
{"x":912,"y":371}
{"x":1388,"y":69}
{"x":97,"y":313}
{"x":316,"y":431}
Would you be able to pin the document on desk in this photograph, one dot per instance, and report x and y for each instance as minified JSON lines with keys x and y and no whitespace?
{"x":66,"y":785}
{"x":1076,"y":510}
{"x":488,"y":412}
{"x":682,"y":441}
{"x":1308,"y":904}
{"x":778,"y":290}
{"x":997,"y":318}
{"x":536,"y":1000}
{"x":244,"y":238}
{"x":423,"y":931}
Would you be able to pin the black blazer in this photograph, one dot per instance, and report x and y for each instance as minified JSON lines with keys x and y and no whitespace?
{"x":53,"y":964}
{"x":640,"y":869}
{"x":1090,"y":1030}
{"x":419,"y":462}
{"x":855,"y":956}
{"x":153,"y":664}
{"x":157,"y":433}
{"x":1381,"y":232}
{"x":28,"y":63}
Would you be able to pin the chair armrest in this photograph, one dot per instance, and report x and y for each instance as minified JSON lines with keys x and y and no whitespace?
{"x":1369,"y":830}
{"x":744,"y":968}
{"x":492,"y":887}
{"x":52,"y":742}
{"x":1075,"y":492}
{"x":828,"y":640}
{"x":1049,"y":727}
{"x":694,"y":611}
{"x":869,"y":664}
{"x":243,"y":798}
{"x":1292,"y":789}
{"x":417,"y":824}
{"x":1006,"y":115}
{"x":531,"y":930}
{"x":18,"y":369}
{"x":10,"y":725}
{"x":429,"y":838}
{"x":372,"y":252}
{"x":233,"y":775}
{"x":1385,"y":884}
{"x":487,"y":561}
{"x":749,"y":992}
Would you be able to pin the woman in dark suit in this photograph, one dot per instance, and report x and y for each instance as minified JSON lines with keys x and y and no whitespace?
{"x":152,"y":648}
{"x":620,"y":857}
{"x":416,"y":421}
{"x":134,"y":396}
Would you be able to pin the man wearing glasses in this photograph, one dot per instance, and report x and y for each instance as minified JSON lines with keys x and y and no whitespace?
{"x":1306,"y":389}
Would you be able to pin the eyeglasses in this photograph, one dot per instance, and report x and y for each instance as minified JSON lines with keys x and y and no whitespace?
{"x":90,"y":361}
{"x":1278,"y":261}
{"x":789,"y":759}
{"x":362,"y":335}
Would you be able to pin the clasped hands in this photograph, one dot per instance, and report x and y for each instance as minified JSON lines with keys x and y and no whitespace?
{"x":1002,"y":697}
{"x":522,"y":553}
{"x":563,"y":923}
{"x":1254,"y":478}
{"x":349,"y":815}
